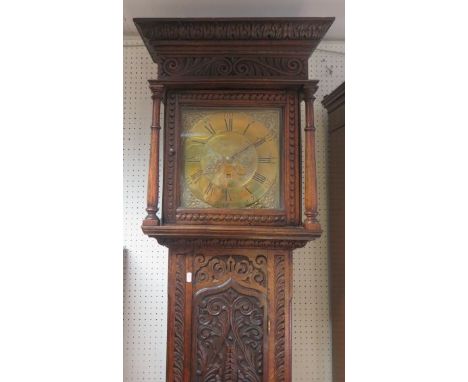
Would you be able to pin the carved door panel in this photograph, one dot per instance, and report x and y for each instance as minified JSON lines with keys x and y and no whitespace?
{"x":230,"y":318}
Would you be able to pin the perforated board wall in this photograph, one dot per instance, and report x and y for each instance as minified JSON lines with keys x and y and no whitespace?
{"x":145,"y":262}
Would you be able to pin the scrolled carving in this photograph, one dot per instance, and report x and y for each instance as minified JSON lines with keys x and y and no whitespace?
{"x":229,"y":334}
{"x":219,"y":268}
{"x":219,"y":67}
{"x":232,"y":66}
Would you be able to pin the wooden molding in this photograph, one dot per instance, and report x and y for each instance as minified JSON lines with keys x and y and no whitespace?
{"x":228,"y":47}
{"x":230,"y":236}
{"x":245,"y":29}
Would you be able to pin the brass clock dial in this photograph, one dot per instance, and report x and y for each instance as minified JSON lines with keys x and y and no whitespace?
{"x":231,"y":158}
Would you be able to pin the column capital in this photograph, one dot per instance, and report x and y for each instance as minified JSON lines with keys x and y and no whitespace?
{"x":157,"y":90}
{"x":309,"y":90}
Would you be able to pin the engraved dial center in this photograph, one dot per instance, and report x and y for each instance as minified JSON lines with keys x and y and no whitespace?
{"x":229,"y":160}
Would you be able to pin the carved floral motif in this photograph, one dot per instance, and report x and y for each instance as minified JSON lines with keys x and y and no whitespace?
{"x":229,"y":337}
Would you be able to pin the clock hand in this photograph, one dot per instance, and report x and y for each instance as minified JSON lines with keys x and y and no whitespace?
{"x":245,"y":148}
{"x":256,"y":143}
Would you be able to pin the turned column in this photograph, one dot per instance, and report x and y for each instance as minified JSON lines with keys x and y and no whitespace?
{"x":153,"y":175}
{"x":310,"y":186}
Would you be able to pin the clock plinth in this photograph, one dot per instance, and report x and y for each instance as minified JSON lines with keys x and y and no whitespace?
{"x":231,"y":211}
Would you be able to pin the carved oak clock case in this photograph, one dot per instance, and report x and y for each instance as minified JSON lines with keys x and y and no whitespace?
{"x":232,"y":209}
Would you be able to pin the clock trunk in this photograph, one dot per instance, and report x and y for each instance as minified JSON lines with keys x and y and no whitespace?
{"x":232,"y":321}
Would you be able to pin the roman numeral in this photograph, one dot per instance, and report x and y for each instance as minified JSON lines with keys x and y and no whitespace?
{"x":269,"y":136}
{"x":228,"y":121}
{"x":251,"y":195}
{"x":259,"y":177}
{"x":247,"y":127}
{"x":209,"y":189}
{"x":265,"y":160}
{"x":195,"y":177}
{"x":227,"y":196}
{"x":208,"y":126}
{"x":200,"y":142}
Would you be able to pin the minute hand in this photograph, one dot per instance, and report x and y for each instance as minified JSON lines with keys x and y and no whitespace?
{"x":256,"y":143}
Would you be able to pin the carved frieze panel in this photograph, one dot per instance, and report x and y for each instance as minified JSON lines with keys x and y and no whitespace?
{"x":216,"y":269}
{"x":171,"y":67}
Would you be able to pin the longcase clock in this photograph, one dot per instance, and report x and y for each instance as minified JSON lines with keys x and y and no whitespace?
{"x":232,"y":209}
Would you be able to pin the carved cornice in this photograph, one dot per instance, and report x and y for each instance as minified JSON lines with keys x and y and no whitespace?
{"x":312,"y":28}
{"x":233,"y":48}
